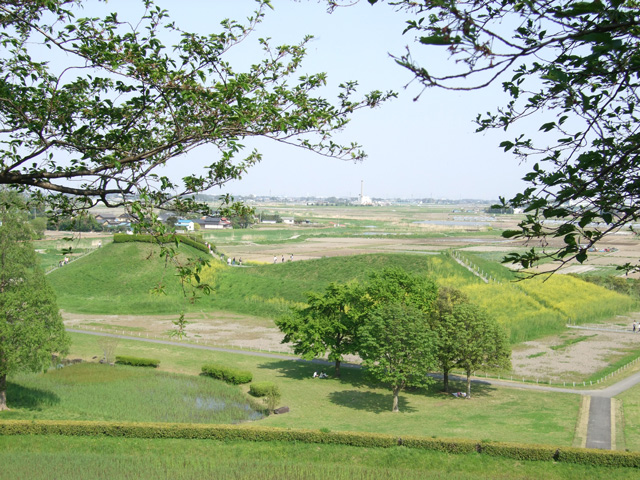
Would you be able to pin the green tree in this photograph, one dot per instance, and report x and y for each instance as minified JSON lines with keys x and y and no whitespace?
{"x":397,"y":347}
{"x":571,"y":68}
{"x":328,"y":324}
{"x":395,"y":285}
{"x":448,"y":329}
{"x":482,"y":343}
{"x":31,"y":328}
{"x":115,"y":105}
{"x":395,"y":340}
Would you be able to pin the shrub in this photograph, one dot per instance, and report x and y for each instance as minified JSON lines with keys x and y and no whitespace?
{"x":137,"y":362}
{"x":227,"y":374}
{"x":268,"y":390}
{"x":599,"y":458}
{"x":264,"y":389}
{"x":519,"y":451}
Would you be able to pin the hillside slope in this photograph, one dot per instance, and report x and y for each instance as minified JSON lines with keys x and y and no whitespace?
{"x":118,"y":279}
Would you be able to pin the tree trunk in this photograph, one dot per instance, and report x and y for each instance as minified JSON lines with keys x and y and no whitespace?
{"x":337,"y":368}
{"x":445,"y":379}
{"x":468,"y":383}
{"x":396,"y":392}
{"x":3,"y":392}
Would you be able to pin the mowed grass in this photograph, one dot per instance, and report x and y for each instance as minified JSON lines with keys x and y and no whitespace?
{"x":352,"y":404}
{"x":631,"y":408}
{"x":118,"y":279}
{"x":91,"y":391}
{"x":62,"y":458}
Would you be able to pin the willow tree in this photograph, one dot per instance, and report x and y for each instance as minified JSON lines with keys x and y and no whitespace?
{"x":31,"y":328}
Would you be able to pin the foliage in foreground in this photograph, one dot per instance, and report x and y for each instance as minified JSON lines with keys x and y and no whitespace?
{"x":31,"y":328}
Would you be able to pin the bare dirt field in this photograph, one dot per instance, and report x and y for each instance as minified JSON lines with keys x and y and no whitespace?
{"x":545,"y":359}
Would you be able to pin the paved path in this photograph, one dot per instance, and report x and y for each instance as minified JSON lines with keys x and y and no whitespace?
{"x":599,"y":427}
{"x":598,"y":431}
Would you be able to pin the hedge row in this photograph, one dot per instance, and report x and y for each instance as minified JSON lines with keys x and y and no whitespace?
{"x":137,"y":362}
{"x":264,"y":389}
{"x":146,"y":238}
{"x":227,"y":374}
{"x":358,"y":439}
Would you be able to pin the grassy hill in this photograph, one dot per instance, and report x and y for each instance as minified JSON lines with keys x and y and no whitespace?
{"x":118,"y":279}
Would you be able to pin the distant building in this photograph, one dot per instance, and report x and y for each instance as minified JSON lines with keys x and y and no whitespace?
{"x":212,"y":223}
{"x":183,"y":225}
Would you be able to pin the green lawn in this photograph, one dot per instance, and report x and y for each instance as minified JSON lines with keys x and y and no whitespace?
{"x":69,"y":458}
{"x":352,"y":404}
{"x":631,"y":408}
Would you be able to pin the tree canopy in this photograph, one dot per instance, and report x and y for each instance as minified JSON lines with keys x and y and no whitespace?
{"x":31,"y":328}
{"x":398,"y":347}
{"x":328,"y":324}
{"x":569,"y":72}
{"x":91,"y":109}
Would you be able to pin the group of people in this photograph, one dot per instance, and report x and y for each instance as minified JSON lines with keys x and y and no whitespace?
{"x":63,"y":262}
{"x":636,"y":327}
{"x":275,"y":258}
{"x":320,"y":375}
{"x":232,"y":261}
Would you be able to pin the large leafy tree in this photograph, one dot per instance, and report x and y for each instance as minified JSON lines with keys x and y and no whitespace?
{"x":327,"y":324}
{"x":397,"y":347}
{"x":92,"y":108}
{"x":395,"y":340}
{"x":31,"y":328}
{"x":481,"y":341}
{"x":569,"y":71}
{"x":448,"y":328}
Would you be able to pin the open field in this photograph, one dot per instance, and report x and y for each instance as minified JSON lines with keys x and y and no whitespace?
{"x":343,"y":244}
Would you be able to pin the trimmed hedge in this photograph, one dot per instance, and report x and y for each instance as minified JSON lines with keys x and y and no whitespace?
{"x":227,"y":374}
{"x":357,"y":439}
{"x":137,"y":362}
{"x":519,"y":451}
{"x":264,"y":389}
{"x":146,"y":238}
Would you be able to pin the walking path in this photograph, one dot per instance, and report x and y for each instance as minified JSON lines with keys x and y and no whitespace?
{"x":600,"y":426}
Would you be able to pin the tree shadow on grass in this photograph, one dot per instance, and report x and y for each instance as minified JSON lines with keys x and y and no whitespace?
{"x":19,"y":396}
{"x":303,"y":369}
{"x":370,"y":401}
{"x":479,"y":388}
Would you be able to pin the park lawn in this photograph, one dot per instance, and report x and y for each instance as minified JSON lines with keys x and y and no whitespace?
{"x":351,"y":404}
{"x":46,"y":457}
{"x":631,"y":408}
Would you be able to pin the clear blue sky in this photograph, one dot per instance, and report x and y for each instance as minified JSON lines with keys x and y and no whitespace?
{"x":417,"y":149}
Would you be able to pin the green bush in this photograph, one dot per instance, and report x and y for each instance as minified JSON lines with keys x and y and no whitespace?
{"x":519,"y":451}
{"x":600,"y":458}
{"x":227,"y":374}
{"x":137,"y":362}
{"x":268,"y":390}
{"x":264,"y":389}
{"x":439,"y":444}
